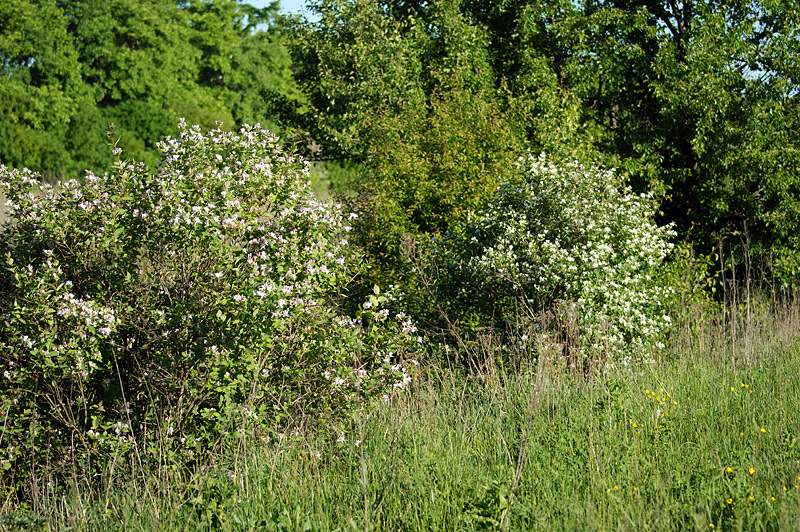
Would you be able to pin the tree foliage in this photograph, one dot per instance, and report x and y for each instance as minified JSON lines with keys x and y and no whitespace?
{"x":72,"y":66}
{"x":41,"y":92}
{"x":693,"y":100}
{"x":696,"y":100}
{"x":408,"y":90}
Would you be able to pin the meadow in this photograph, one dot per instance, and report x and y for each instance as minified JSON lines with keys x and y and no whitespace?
{"x":705,"y":437}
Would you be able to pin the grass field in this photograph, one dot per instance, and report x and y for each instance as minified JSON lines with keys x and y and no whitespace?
{"x":707,"y":437}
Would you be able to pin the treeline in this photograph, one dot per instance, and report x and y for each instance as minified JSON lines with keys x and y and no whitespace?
{"x":693,"y":100}
{"x":428,"y":104}
{"x":69,"y":67}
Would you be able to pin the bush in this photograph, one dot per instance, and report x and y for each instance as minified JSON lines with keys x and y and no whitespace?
{"x":568,"y":240}
{"x":178,"y":305}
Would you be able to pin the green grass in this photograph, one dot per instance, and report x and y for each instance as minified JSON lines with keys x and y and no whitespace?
{"x":643,"y":448}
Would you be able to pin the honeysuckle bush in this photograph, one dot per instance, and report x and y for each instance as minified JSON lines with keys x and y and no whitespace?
{"x":175,"y":306}
{"x":567,"y":240}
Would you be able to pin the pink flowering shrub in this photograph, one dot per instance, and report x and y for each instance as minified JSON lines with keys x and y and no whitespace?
{"x":182,"y":304}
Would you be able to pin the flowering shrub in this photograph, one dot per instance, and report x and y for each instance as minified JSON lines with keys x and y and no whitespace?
{"x":179,"y":304}
{"x":566,"y":239}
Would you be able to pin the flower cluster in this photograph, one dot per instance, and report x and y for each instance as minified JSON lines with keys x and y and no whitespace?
{"x":216,"y":276}
{"x":571,"y":235}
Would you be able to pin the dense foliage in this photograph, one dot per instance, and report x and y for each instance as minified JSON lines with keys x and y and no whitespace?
{"x":694,"y":100}
{"x":70,"y":67}
{"x":412,"y":97}
{"x":142,"y":307}
{"x":561,"y":239}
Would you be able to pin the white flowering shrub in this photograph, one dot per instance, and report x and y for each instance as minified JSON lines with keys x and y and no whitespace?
{"x":182,"y":303}
{"x":562,"y":237}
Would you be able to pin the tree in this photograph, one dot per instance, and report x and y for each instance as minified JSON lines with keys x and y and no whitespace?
{"x":696,"y":100}
{"x":408,"y":90}
{"x":72,"y":66}
{"x":41,"y":94}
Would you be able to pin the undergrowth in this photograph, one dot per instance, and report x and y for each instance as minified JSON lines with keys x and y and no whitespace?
{"x":706,"y":437}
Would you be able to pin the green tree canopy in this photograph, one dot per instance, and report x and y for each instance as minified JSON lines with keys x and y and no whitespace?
{"x":695,"y":100}
{"x":72,"y":66}
{"x":409,"y":91}
{"x":41,"y":92}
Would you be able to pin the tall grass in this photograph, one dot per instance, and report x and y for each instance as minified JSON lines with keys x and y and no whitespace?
{"x":707,"y":437}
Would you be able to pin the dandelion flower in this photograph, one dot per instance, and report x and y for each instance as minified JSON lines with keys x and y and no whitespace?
{"x":729,"y":500}
{"x":773,"y":499}
{"x":751,"y":471}
{"x":763,"y":430}
{"x":729,"y":470}
{"x":751,"y":498}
